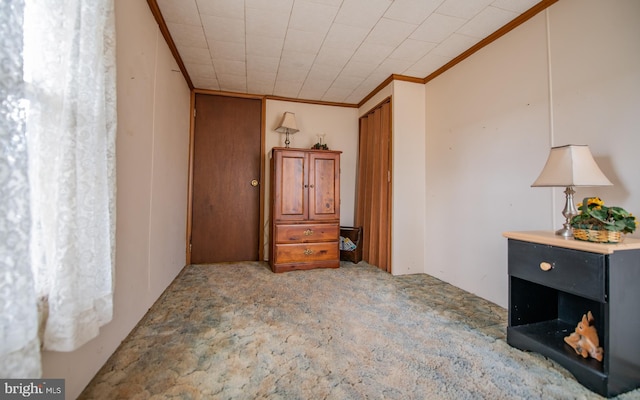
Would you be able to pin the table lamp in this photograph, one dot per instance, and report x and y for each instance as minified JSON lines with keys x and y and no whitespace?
{"x":570,"y":166}
{"x":287,"y":126}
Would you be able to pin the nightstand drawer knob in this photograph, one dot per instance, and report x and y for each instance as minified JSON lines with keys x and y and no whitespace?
{"x":308,"y":232}
{"x":545,"y":266}
{"x":308,"y":252}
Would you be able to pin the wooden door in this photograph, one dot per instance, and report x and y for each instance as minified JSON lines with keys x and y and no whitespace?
{"x":226,"y":161}
{"x":324,"y":186}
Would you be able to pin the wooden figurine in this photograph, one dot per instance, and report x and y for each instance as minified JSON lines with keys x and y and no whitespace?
{"x":585,"y":339}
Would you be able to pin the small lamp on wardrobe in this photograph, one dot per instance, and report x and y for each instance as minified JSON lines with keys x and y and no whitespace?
{"x":570,"y":166}
{"x":287,"y":126}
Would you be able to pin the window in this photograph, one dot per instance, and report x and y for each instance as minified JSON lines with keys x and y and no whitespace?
{"x":63,"y":152}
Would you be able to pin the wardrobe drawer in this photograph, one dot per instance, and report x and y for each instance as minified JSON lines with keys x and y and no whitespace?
{"x":577,"y":272}
{"x":287,"y":253}
{"x":302,"y":233}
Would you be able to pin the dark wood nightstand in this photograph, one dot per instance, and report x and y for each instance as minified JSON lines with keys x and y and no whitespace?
{"x":554,"y":281}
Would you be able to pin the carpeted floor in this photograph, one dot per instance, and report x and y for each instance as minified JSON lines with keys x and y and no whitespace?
{"x":238,"y":331}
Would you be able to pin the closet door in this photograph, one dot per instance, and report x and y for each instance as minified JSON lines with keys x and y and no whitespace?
{"x":373,"y":197}
{"x":226,"y":175}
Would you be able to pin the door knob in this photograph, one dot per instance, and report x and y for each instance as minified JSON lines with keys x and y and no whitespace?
{"x":254,"y":182}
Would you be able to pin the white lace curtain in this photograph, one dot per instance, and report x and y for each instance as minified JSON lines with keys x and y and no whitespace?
{"x":19,"y":345}
{"x":69,"y":64}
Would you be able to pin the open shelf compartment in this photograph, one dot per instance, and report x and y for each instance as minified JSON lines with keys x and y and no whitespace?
{"x":541,"y":317}
{"x":547,"y":338}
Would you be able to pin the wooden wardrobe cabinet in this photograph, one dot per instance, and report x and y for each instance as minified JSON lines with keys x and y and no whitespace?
{"x":305,"y":209}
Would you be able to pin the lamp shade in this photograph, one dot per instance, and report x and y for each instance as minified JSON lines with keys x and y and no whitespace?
{"x":288,"y":123}
{"x":571,"y":165}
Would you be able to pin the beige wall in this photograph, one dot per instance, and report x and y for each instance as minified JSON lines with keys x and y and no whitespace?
{"x":408,"y":179}
{"x":152,"y":167}
{"x":595,"y":71}
{"x":571,"y":75}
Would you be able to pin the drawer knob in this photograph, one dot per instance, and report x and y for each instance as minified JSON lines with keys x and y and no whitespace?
{"x":545,"y":266}
{"x":308,"y":252}
{"x":308,"y":232}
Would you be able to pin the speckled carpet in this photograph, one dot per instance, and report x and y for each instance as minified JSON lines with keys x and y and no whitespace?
{"x":238,"y":331}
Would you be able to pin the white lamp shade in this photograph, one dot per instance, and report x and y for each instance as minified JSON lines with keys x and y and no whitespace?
{"x":571,"y":165}
{"x":288,"y":123}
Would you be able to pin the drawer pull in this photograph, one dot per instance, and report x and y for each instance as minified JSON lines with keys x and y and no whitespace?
{"x":308,"y":232}
{"x":545,"y":266}
{"x":308,"y":252}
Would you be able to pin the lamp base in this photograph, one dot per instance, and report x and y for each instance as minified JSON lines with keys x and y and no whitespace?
{"x":568,"y":212}
{"x":566,"y":232}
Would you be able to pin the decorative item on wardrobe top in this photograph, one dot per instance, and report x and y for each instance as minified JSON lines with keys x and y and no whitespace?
{"x":287,"y":126}
{"x":321,"y":144}
{"x":569,"y":166}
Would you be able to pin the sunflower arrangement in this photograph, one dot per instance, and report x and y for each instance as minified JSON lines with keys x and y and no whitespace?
{"x":595,"y":216}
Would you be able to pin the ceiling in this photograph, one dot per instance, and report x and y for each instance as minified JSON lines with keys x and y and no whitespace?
{"x":335,"y":51}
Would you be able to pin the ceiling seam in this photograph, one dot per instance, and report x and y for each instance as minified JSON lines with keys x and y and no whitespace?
{"x":318,"y":52}
{"x":209,"y":47}
{"x":284,"y":41}
{"x":356,"y":50}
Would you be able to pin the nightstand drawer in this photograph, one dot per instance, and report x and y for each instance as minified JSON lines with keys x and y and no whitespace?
{"x":577,"y":272}
{"x":293,"y":233}
{"x":287,"y":253}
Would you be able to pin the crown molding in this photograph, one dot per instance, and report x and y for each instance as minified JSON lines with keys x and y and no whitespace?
{"x":155,"y":10}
